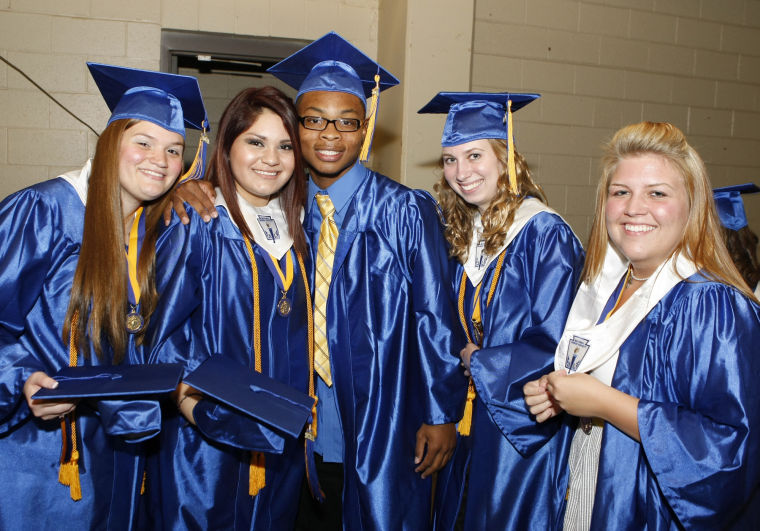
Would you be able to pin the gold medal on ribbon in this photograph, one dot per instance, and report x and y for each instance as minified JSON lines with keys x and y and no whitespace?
{"x":135,"y":321}
{"x":286,"y":279}
{"x":283,"y":306}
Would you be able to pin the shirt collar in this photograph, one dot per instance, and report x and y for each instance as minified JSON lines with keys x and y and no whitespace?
{"x":343,"y":189}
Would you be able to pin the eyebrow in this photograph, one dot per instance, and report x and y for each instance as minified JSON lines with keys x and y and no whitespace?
{"x":146,"y":135}
{"x":342,"y":112}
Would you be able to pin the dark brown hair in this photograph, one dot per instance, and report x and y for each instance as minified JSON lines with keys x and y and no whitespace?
{"x":239,"y":115}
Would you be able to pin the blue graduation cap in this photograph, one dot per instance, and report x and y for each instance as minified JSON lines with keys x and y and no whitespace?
{"x":475,"y":115}
{"x":333,"y":64}
{"x":254,"y":394}
{"x":479,"y":115}
{"x":728,"y":201}
{"x":102,"y":381}
{"x":171,"y":101}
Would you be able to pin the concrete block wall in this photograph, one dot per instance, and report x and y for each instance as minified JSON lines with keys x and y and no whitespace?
{"x":601,"y":64}
{"x":51,"y":41}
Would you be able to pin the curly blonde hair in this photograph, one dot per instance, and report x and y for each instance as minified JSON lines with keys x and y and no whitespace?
{"x":702,"y":242}
{"x":498,"y":217}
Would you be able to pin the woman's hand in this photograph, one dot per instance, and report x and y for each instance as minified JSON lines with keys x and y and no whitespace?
{"x":45,"y":409}
{"x":539,"y":402}
{"x":466,"y":355}
{"x":583,"y":395}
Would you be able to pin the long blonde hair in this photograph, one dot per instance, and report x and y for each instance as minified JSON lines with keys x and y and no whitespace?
{"x":498,"y":217}
{"x":99,"y":290}
{"x":702,"y":242}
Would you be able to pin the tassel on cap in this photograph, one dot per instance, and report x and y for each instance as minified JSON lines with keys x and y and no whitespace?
{"x":511,"y":168}
{"x":373,"y":105}
{"x":199,"y":162}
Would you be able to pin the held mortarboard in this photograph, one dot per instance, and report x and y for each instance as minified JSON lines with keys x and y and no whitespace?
{"x":171,"y":101}
{"x":102,"y":381}
{"x":267,"y":400}
{"x":477,"y":116}
{"x":730,"y":206}
{"x":333,"y":64}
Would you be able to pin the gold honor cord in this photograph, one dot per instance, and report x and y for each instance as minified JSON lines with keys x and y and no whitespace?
{"x":283,"y":305}
{"x":257,"y":467}
{"x":135,"y":321}
{"x":465,"y":424}
{"x":68,"y":471}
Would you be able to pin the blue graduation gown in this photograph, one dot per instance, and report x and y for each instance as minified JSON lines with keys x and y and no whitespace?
{"x":509,"y":459}
{"x":693,"y":364}
{"x":40,"y":237}
{"x":199,"y":477}
{"x":393,"y":334}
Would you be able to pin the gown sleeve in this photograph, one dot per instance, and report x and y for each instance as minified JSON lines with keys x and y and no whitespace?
{"x":552,"y":263}
{"x":436,"y":324}
{"x":702,"y":438}
{"x":29,"y":235}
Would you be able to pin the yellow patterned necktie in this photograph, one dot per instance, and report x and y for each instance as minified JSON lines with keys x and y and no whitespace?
{"x":328,"y":239}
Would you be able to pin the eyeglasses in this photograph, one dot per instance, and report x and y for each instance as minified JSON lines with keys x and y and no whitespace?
{"x":317,"y":123}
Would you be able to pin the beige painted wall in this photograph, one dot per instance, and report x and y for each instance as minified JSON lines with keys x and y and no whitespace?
{"x":599,"y":64}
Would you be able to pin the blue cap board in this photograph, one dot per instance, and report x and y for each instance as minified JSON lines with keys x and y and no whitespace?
{"x":265,"y":399}
{"x":475,"y":115}
{"x":101,"y":381}
{"x":728,"y":201}
{"x":171,"y":101}
{"x":332,"y":64}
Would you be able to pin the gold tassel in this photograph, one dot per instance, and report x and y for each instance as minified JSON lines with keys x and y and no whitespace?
{"x":68,"y":474}
{"x":256,"y":474}
{"x":511,"y":155}
{"x":364,"y":155}
{"x":142,"y":484}
{"x":196,"y":168}
{"x":465,"y":425}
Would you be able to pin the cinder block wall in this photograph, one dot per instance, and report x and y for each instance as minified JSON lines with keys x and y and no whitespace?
{"x":601,"y":64}
{"x":51,"y":40}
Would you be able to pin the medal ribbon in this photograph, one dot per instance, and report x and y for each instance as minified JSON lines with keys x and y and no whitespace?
{"x":136,"y":237}
{"x":284,"y":280}
{"x":466,"y":423}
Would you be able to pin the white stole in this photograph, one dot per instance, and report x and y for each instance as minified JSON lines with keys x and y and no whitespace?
{"x":79,"y":179}
{"x":267,"y":224}
{"x":477,"y":262}
{"x":586,"y":346}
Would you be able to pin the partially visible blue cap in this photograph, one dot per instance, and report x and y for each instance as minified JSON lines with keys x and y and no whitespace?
{"x":101,"y":381}
{"x":253,"y":393}
{"x":728,"y":201}
{"x":475,"y":115}
{"x":171,"y":101}
{"x":332,"y":64}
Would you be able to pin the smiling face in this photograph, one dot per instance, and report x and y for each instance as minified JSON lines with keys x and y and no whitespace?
{"x":472,"y":170}
{"x":330,"y":153}
{"x":150,"y":160}
{"x":262,"y":159}
{"x":647,"y":210}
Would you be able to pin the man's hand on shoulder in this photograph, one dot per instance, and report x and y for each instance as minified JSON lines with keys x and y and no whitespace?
{"x":199,"y":194}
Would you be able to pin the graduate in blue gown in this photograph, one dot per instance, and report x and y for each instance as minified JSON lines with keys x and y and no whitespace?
{"x":216,"y":468}
{"x":80,"y":288}
{"x":519,"y":267}
{"x":390,"y":389}
{"x":657,"y":367}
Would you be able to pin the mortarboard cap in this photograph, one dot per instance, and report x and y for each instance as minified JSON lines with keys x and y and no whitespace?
{"x":103,"y":381}
{"x":171,"y":101}
{"x":274,"y":403}
{"x":730,"y":206}
{"x":475,"y":115}
{"x":332,"y":64}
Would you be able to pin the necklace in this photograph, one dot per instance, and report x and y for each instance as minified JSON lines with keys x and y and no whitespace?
{"x":634,"y":277}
